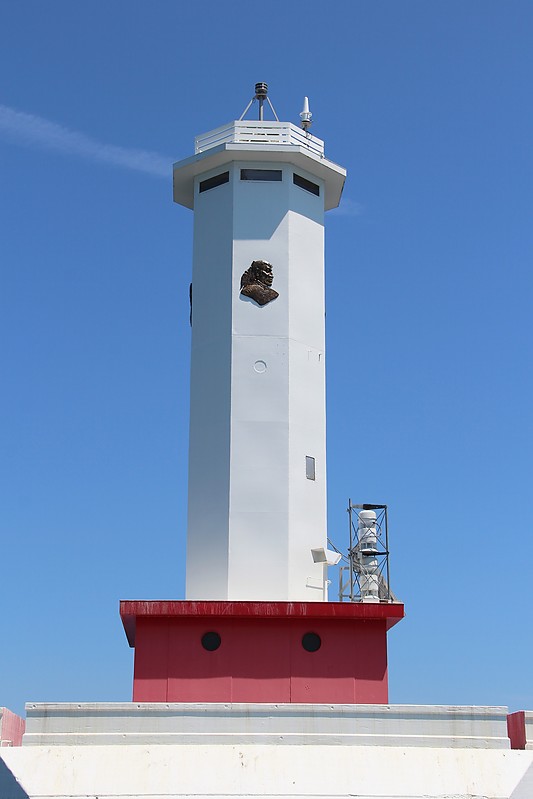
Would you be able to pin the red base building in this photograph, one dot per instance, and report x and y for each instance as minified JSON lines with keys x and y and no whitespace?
{"x":326,"y":652}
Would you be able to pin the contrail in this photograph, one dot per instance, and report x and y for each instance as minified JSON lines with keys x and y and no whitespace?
{"x":34,"y":131}
{"x":348,"y":207}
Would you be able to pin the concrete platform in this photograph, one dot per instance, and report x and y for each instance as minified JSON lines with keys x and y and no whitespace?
{"x":280,"y":724}
{"x":181,"y":751}
{"x":209,"y":771}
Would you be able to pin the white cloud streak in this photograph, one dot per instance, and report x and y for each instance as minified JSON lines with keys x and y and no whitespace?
{"x":348,"y":207}
{"x":33,"y":131}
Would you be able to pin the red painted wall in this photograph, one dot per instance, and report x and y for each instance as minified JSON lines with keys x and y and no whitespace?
{"x":11,"y":728}
{"x":260,"y":660}
{"x":516,"y":729}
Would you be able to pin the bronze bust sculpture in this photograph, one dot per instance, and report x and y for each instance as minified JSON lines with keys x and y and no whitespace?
{"x":256,"y":283}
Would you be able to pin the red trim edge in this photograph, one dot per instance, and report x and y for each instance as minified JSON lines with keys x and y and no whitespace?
{"x":130,"y":610}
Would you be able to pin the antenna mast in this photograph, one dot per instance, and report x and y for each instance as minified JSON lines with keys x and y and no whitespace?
{"x":260,"y":94}
{"x":306,"y":116}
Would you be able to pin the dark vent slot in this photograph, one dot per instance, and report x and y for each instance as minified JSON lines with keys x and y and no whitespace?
{"x":261,"y":174}
{"x":303,"y":183}
{"x":211,"y":183}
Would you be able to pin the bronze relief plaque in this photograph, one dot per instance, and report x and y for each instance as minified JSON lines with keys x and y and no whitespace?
{"x":257,"y":281}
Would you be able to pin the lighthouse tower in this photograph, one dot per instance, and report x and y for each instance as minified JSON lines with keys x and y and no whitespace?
{"x":257,"y":448}
{"x":256,"y":625}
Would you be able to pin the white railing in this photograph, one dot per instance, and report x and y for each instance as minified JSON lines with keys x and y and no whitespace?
{"x":255,"y":132}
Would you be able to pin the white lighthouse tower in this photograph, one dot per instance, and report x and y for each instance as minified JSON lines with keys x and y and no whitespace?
{"x":255,"y":625}
{"x":257,"y":448}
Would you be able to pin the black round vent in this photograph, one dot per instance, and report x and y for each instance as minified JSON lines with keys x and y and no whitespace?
{"x":212,"y":641}
{"x":311,"y":642}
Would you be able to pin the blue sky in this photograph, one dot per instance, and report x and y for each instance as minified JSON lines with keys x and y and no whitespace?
{"x":429,"y":290}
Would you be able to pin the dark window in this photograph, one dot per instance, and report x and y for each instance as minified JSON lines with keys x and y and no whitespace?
{"x":261,"y":174}
{"x":311,"y":642}
{"x":211,"y":641}
{"x":309,"y":467}
{"x":303,"y":183}
{"x":211,"y":183}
